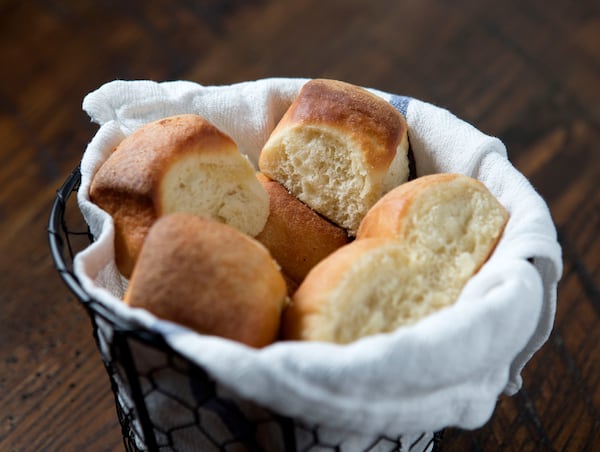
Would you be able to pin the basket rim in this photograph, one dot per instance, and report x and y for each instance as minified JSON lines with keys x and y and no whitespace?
{"x":59,"y":244}
{"x":57,"y":230}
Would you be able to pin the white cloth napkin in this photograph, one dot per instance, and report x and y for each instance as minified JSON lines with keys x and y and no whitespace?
{"x":446,"y":370}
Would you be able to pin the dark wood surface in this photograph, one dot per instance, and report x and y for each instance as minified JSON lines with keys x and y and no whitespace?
{"x":525,"y":71}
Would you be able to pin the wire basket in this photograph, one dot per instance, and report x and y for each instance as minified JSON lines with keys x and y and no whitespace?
{"x":166,"y":402}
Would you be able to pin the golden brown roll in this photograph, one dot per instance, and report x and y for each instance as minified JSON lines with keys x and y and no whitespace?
{"x":338,"y":148}
{"x":361,"y":289}
{"x":452,"y":216}
{"x":415,"y":251}
{"x":181,"y":163}
{"x":297,"y":237}
{"x":209,"y":277}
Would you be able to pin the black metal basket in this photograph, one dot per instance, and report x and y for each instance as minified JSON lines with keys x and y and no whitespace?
{"x":146,"y":373}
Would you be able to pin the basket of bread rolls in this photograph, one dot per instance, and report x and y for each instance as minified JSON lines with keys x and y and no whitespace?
{"x":303,"y":264}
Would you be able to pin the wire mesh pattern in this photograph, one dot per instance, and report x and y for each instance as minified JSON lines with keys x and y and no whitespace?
{"x":164,"y":402}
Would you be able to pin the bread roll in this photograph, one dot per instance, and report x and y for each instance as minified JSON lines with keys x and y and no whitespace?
{"x":209,"y":277}
{"x":338,"y":148}
{"x":297,"y":237}
{"x":415,"y":251}
{"x":181,"y":163}
{"x":450,"y":219}
{"x":363,"y":288}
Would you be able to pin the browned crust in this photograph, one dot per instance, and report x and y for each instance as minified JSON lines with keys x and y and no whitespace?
{"x":365,"y":117}
{"x":126,"y":185}
{"x":297,"y":237}
{"x":141,"y":158}
{"x":209,"y":277}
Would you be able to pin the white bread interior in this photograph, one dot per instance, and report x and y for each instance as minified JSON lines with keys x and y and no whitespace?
{"x":338,"y":148}
{"x":179,"y":163}
{"x":414,"y":252}
{"x":222,"y":187}
{"x":446,"y":220}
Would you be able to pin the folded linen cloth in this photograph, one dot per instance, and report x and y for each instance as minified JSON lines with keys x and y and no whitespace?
{"x":446,"y":370}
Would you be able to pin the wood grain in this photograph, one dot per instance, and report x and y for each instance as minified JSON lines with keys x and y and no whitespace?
{"x":520,"y":70}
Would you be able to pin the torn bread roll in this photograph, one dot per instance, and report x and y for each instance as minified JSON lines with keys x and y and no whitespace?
{"x":297,"y":237}
{"x":450,"y":219}
{"x":364,"y":288}
{"x":415,"y":251}
{"x":338,"y":148}
{"x":209,"y":277}
{"x":178,"y":164}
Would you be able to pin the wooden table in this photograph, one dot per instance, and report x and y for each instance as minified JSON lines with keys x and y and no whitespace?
{"x":524,"y":71}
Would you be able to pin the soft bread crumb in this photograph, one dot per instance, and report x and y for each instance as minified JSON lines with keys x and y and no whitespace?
{"x":338,"y":148}
{"x":221,"y":188}
{"x":311,"y":167}
{"x":448,"y":219}
{"x":415,"y":250}
{"x":371,"y":287}
{"x":179,"y":163}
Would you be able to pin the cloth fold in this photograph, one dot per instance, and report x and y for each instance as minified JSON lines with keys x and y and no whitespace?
{"x":446,"y":370}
